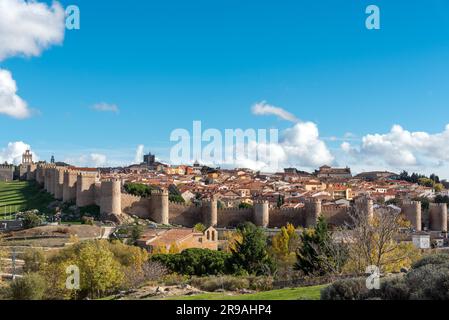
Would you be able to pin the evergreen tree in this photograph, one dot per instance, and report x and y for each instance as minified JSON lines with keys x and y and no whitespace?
{"x":317,"y":253}
{"x":250,"y":255}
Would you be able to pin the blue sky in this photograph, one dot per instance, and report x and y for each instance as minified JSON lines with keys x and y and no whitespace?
{"x":167,"y":63}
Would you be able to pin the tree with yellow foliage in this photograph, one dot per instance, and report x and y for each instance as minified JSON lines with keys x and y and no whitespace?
{"x":232,"y":238}
{"x":174,"y":248}
{"x":285,"y":244}
{"x":375,"y":241}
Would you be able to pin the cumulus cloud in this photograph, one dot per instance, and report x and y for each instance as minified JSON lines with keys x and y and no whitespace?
{"x":303,"y":146}
{"x":139,"y":153}
{"x":89,"y":160}
{"x":402,"y":148}
{"x":10,"y":103}
{"x":29,"y":27}
{"x":300,"y":146}
{"x":263,"y":109}
{"x":26,"y":29}
{"x":106,"y":107}
{"x":14,"y":151}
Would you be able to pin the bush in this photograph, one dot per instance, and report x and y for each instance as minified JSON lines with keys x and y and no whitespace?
{"x":434,"y":259}
{"x":30,"y":287}
{"x":429,"y":282}
{"x":348,"y":289}
{"x":174,"y":279}
{"x":226,"y":283}
{"x":34,"y":260}
{"x":87,"y":220}
{"x":31,"y":220}
{"x":261,"y":283}
{"x":394,"y":288}
{"x":195,"y":262}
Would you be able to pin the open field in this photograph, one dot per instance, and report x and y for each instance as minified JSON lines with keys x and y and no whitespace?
{"x":22,"y":195}
{"x":306,"y":293}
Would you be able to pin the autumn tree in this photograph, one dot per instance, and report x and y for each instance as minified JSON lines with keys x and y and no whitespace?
{"x":285,"y":244}
{"x":374,"y":241}
{"x":283,"y":249}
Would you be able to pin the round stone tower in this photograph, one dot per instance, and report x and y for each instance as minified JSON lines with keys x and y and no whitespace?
{"x":85,"y":189}
{"x":313,"y":212}
{"x":111,"y":198}
{"x":52,"y":181}
{"x":210,"y":212}
{"x":47,"y":179}
{"x":417,"y":215}
{"x":59,"y":183}
{"x":39,"y":178}
{"x":69,"y":187}
{"x":261,"y":214}
{"x":438,"y":217}
{"x":160,"y":206}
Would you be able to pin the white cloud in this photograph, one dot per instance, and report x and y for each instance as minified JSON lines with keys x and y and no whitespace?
{"x":10,"y":103}
{"x":299,"y":146}
{"x":29,"y":27}
{"x":106,"y":107}
{"x":303,"y":146}
{"x":139,"y":154}
{"x":14,"y":151}
{"x":89,"y":160}
{"x":263,"y":108}
{"x":401,"y":148}
{"x":26,"y":29}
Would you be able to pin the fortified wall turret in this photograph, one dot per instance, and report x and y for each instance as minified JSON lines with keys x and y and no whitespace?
{"x":111,"y":198}
{"x":210,"y":212}
{"x":438,"y":217}
{"x":69,"y":187}
{"x":159,"y":206}
{"x":413,"y":212}
{"x":314,"y":210}
{"x":85,"y":189}
{"x":261,"y":213}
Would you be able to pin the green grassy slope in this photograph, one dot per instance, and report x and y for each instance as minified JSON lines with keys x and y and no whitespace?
{"x":22,"y":195}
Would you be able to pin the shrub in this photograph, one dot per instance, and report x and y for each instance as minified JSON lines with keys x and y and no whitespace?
{"x":261,"y":283}
{"x":30,"y":287}
{"x":34,"y":260}
{"x":31,"y":220}
{"x":394,"y":288}
{"x":87,"y":220}
{"x":194,"y":262}
{"x":434,"y":259}
{"x":174,"y":279}
{"x":348,"y":289}
{"x":429,"y":282}
{"x":227,"y":283}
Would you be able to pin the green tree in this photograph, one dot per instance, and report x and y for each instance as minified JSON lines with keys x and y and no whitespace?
{"x":244,"y":205}
{"x":135,"y":233}
{"x":199,"y":227}
{"x":281,"y":201}
{"x":249,"y":254}
{"x":100,"y":272}
{"x":195,"y":262}
{"x":30,"y":287}
{"x":138,"y":189}
{"x":317,"y":253}
{"x":34,"y":260}
{"x":31,"y":220}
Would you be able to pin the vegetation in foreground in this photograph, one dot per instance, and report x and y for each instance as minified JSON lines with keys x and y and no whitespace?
{"x":306,"y":293}
{"x":427,"y":280}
